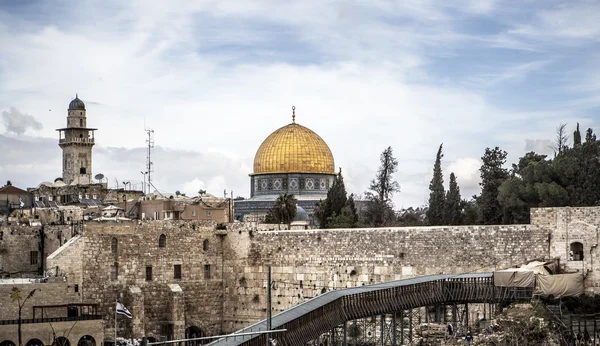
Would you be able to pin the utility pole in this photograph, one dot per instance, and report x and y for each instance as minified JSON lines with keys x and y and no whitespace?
{"x":268,"y":338}
{"x":150,"y":142}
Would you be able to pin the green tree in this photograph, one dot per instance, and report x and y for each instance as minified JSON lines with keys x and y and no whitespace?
{"x":16,"y":295}
{"x":590,"y":136}
{"x":334,"y":203}
{"x":379,"y":210}
{"x":435,"y":213}
{"x":533,"y":183}
{"x":452,"y":204}
{"x":470,"y":212}
{"x":284,"y":210}
{"x":577,"y":137}
{"x":492,"y":176}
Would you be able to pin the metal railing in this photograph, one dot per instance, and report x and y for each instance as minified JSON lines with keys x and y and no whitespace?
{"x":52,"y":319}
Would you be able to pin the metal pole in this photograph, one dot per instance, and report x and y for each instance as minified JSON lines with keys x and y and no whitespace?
{"x":467,"y":313}
{"x":268,"y":302}
{"x":394,"y":329}
{"x":410,"y":325}
{"x":382,"y":330}
{"x":402,"y":327}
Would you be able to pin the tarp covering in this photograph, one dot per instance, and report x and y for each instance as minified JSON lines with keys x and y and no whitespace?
{"x":514,"y":278}
{"x":560,"y":285}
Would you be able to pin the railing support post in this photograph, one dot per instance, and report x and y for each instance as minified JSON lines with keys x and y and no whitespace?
{"x":394,"y":331}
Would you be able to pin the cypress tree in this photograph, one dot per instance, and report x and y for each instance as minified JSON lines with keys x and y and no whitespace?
{"x":452,"y":207}
{"x":492,"y":176}
{"x":577,"y":137}
{"x":435,"y":213}
{"x":334,"y":203}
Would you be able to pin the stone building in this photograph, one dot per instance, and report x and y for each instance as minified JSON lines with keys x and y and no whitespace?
{"x":76,"y":141}
{"x":24,"y":249}
{"x":177,"y":207}
{"x":54,"y":312}
{"x":11,"y":198}
{"x":292,"y":160}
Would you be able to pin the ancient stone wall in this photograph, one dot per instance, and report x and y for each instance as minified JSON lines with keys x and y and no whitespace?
{"x":304,"y":263}
{"x":45,"y":294}
{"x":308,"y":263}
{"x":72,"y":330}
{"x":193,"y":246}
{"x":22,"y":252}
{"x":570,"y":228}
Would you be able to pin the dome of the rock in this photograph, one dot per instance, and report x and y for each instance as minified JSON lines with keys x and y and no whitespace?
{"x":293,"y":149}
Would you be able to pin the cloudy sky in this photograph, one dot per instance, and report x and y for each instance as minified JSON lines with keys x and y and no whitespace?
{"x":214,"y":78}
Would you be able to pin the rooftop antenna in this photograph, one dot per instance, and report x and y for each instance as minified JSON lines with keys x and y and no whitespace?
{"x":150,"y":142}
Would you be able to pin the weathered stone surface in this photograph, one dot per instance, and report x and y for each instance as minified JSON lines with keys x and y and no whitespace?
{"x":304,"y":263}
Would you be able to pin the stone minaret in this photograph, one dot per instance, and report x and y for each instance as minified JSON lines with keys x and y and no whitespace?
{"x":76,"y":141}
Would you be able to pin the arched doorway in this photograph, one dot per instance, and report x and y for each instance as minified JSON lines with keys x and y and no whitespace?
{"x":61,"y":341}
{"x":34,"y":342}
{"x":86,"y":340}
{"x":195,"y":332}
{"x":7,"y":343}
{"x":576,"y":253}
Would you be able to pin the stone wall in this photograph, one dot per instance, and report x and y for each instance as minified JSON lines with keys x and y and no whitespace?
{"x":72,"y":330}
{"x":304,"y":263}
{"x":568,"y":226}
{"x":308,"y":263}
{"x":192,"y":245}
{"x":45,"y":294}
{"x":19,"y":244}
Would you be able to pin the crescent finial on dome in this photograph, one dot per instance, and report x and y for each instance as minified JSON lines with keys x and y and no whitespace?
{"x":294,"y":114}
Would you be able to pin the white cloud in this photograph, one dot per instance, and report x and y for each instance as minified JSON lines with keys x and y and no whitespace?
{"x":540,"y":146}
{"x":466,"y":170}
{"x":17,"y":122}
{"x":214,"y":78}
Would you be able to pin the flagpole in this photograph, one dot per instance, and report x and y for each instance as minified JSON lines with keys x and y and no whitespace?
{"x":116,"y":302}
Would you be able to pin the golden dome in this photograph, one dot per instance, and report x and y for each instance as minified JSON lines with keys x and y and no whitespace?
{"x":293,"y":149}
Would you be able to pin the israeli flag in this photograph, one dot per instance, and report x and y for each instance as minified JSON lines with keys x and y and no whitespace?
{"x":21,"y":203}
{"x":121,"y":309}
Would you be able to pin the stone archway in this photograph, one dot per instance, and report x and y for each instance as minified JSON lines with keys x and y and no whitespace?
{"x":61,"y":341}
{"x":86,"y":340}
{"x":34,"y":342}
{"x":195,"y":332}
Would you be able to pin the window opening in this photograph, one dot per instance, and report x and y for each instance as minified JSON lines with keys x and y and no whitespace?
{"x":149,"y":273}
{"x":576,"y":253}
{"x":207,"y":271}
{"x":177,"y":271}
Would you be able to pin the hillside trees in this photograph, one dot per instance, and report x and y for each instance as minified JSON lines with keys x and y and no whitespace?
{"x":571,"y":178}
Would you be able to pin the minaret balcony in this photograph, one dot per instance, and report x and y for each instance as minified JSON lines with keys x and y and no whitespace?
{"x":76,"y":140}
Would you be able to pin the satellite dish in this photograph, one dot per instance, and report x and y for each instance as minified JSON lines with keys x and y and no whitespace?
{"x":99,"y":177}
{"x":177,"y":193}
